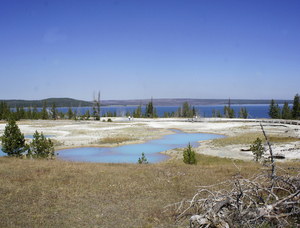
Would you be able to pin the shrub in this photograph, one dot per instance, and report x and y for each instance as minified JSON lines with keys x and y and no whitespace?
{"x":257,"y":149}
{"x":41,"y":147}
{"x":109,"y":120}
{"x":143,"y":159}
{"x":189,"y":156}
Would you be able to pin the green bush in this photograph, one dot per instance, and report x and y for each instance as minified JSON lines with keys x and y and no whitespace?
{"x":143,"y":159}
{"x":41,"y":147}
{"x":189,"y":156}
{"x":257,"y":149}
{"x":13,"y":141}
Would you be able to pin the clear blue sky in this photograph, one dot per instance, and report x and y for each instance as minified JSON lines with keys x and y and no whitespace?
{"x":138,"y":49}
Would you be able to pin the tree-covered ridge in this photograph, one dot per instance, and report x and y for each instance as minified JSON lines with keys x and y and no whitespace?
{"x":60,"y":102}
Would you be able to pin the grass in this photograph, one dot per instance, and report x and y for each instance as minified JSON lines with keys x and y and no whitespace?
{"x":249,"y":138}
{"x":40,"y":193}
{"x":115,"y":139}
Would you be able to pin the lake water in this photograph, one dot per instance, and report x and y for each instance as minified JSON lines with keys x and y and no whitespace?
{"x":131,"y":153}
{"x":254,"y":111}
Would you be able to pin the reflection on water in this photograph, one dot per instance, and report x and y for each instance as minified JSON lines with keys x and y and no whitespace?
{"x":131,"y":153}
{"x":1,"y":152}
{"x":31,"y":136}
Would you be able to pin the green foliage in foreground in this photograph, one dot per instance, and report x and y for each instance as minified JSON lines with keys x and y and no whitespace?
{"x":13,"y":141}
{"x":41,"y":147}
{"x":189,"y":156}
{"x":143,"y":159}
{"x":257,"y":149}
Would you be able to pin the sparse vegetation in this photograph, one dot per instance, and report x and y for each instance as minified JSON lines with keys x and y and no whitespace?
{"x":143,"y":159}
{"x":248,"y":139}
{"x":75,"y":194}
{"x":267,"y":199}
{"x":115,"y":139}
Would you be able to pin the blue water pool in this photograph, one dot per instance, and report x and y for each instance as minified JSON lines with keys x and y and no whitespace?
{"x":31,"y":136}
{"x":131,"y":153}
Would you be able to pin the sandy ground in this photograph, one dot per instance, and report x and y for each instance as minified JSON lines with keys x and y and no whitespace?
{"x":70,"y":134}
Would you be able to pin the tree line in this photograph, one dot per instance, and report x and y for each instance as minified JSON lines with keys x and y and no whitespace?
{"x":229,"y":112}
{"x":275,"y":111}
{"x":186,"y":111}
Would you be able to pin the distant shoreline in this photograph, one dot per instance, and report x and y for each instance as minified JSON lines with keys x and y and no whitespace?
{"x":68,"y":102}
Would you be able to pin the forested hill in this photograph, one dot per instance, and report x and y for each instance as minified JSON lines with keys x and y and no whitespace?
{"x":68,"y":102}
{"x":59,"y":102}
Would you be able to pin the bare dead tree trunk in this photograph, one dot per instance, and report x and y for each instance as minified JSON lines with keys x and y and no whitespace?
{"x":97,"y":103}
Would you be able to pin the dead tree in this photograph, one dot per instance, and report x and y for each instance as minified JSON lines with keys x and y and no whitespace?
{"x":97,"y":104}
{"x":264,"y":199}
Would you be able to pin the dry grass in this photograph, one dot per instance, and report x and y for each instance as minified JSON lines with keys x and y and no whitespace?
{"x":249,"y":138}
{"x":115,"y":139}
{"x":38,"y":193}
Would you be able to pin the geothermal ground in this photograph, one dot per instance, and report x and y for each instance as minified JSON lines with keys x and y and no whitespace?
{"x":284,"y":138}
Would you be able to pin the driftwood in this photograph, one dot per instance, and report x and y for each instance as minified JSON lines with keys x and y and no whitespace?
{"x":265,"y":199}
{"x":245,"y":149}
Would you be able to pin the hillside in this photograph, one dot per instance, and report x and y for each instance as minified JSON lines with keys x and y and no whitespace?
{"x":60,"y":102}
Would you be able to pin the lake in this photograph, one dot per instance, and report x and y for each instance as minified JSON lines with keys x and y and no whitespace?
{"x":254,"y":111}
{"x":131,"y":153}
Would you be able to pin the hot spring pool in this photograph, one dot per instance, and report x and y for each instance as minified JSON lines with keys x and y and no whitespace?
{"x":131,"y":153}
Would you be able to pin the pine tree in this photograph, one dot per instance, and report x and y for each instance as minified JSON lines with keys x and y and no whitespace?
{"x":286,"y":111}
{"x":35,"y":114}
{"x":273,"y":110}
{"x":189,"y":156}
{"x":29,"y":113}
{"x":194,"y":111}
{"x":44,"y":113}
{"x":228,"y":111}
{"x":41,"y":147}
{"x":13,"y":141}
{"x":4,"y":111}
{"x":54,"y":111}
{"x":150,"y":109}
{"x":155,"y":115}
{"x":17,"y":114}
{"x":296,"y":107}
{"x":143,"y":159}
{"x":70,"y":113}
{"x":257,"y":149}
{"x":213,"y":114}
{"x":245,"y":113}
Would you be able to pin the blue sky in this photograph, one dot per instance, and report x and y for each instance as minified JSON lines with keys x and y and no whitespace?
{"x":140,"y":49}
